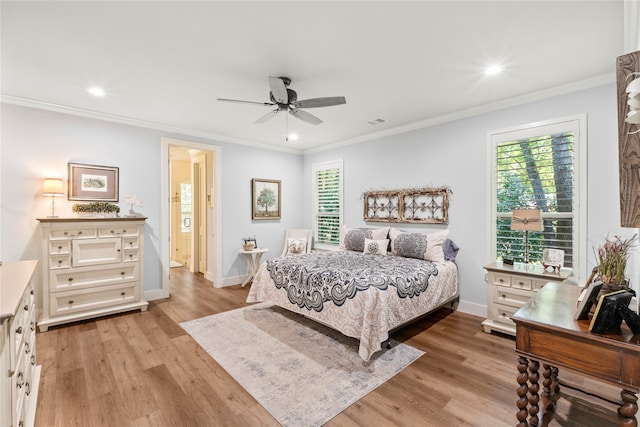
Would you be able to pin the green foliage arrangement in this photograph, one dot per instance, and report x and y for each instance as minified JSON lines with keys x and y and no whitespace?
{"x":97,"y":207}
{"x":612,"y":260}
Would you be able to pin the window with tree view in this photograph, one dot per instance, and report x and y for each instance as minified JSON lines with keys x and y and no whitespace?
{"x":327,"y":198}
{"x":537,"y":170}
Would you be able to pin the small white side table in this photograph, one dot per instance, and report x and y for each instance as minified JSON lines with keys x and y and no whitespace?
{"x":253,"y":261}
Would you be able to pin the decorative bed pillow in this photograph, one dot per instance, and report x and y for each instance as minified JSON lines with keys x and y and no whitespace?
{"x":376,"y":247}
{"x":352,"y":239}
{"x":450,"y":250}
{"x":296,"y":246}
{"x":418,"y":245}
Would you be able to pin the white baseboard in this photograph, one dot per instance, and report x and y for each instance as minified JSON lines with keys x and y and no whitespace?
{"x":472,"y":308}
{"x":231,"y":280}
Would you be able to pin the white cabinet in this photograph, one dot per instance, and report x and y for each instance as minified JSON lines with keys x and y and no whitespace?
{"x":18,"y":370}
{"x":509,"y":287}
{"x":91,"y":267}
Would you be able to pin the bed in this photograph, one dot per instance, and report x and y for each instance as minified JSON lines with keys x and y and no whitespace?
{"x":364,"y":290}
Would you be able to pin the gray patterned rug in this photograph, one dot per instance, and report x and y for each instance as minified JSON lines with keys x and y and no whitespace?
{"x":302,"y":372}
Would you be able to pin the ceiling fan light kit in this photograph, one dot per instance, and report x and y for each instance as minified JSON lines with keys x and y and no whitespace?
{"x":285,"y":99}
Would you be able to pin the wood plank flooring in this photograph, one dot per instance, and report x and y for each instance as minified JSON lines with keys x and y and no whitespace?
{"x":141,"y":369}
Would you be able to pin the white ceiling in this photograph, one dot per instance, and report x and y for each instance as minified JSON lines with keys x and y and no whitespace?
{"x":163,"y":64}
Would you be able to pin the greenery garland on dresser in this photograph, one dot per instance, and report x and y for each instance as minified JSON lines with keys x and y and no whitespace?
{"x":96,"y":209}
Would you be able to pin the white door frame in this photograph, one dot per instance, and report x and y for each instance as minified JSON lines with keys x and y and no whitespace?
{"x":214,"y":244}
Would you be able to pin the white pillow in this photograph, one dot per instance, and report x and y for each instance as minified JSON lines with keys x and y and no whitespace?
{"x":352,"y":239}
{"x":296,"y":246}
{"x":418,"y":245}
{"x":376,"y":247}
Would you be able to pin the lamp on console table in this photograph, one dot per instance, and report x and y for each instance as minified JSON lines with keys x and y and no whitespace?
{"x":526,"y":220}
{"x":53,"y":187}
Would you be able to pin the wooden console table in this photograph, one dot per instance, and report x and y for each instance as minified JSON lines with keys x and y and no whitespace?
{"x":547,"y":334}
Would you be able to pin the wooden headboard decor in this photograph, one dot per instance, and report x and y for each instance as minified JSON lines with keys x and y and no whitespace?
{"x":413,"y":205}
{"x":628,"y":81}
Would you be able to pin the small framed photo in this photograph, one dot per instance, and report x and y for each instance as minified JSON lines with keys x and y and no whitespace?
{"x":588,"y":299}
{"x":265,"y":199}
{"x":553,"y":258}
{"x":93,"y":183}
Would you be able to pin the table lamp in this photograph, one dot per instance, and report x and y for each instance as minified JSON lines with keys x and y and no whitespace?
{"x":526,"y":220}
{"x":53,"y":187}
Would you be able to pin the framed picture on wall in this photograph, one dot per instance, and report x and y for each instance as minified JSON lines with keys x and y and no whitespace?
{"x":265,"y":199}
{"x":91,"y":182}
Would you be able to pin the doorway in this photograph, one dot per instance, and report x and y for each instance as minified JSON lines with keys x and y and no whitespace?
{"x":190,"y":218}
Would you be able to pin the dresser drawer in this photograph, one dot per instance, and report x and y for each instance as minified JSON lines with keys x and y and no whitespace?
{"x":88,"y":277}
{"x":510,"y":297}
{"x":520,"y":282}
{"x":502,"y":313}
{"x":96,"y":251}
{"x":118,"y":231}
{"x":20,"y":327}
{"x":60,"y":261}
{"x":60,"y":247}
{"x":130,"y":243}
{"x":62,"y":303}
{"x":130,"y":255}
{"x":500,"y":279}
{"x":72,"y":233}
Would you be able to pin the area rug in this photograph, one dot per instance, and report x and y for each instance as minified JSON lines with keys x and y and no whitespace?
{"x":302,"y":372}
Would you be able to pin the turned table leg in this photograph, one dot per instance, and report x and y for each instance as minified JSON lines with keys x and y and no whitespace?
{"x":628,"y":409}
{"x":523,"y":389}
{"x":534,"y":388}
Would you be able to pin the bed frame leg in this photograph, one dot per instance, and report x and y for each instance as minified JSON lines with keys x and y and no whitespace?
{"x":388,"y":343}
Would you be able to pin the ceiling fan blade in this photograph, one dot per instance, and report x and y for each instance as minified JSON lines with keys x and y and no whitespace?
{"x":321,"y":102}
{"x":278,"y":90}
{"x":304,"y":116}
{"x":264,"y":104}
{"x":267,"y":116}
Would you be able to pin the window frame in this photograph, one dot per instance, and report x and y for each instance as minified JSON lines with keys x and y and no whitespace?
{"x":315,"y":168}
{"x":576,"y":124}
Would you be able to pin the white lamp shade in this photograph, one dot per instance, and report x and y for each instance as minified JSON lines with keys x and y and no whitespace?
{"x":633,"y":117}
{"x":634,"y":101}
{"x":52,"y":187}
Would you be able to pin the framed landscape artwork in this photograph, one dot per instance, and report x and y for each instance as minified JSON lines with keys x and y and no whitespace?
{"x":265,"y":199}
{"x":91,"y":182}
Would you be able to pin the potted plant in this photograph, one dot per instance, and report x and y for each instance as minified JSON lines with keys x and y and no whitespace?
{"x":100,"y":209}
{"x":612,"y":257}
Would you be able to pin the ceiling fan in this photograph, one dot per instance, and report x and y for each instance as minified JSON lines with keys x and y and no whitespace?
{"x":285,"y":99}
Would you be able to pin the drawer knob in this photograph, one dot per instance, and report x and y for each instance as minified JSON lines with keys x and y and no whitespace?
{"x":79,"y":233}
{"x":503,"y":296}
{"x":26,"y":307}
{"x":521,"y":283}
{"x":118,"y":250}
{"x":131,"y":256}
{"x":33,"y":359}
{"x":59,"y":261}
{"x":71,"y":279}
{"x":501,"y":280}
{"x":122,"y":273}
{"x":70,"y":301}
{"x":59,"y":248}
{"x":27,"y":348}
{"x":122,"y":293}
{"x":19,"y":330}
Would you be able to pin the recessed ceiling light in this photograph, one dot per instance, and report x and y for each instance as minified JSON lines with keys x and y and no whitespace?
{"x":493,"y":69}
{"x":96,"y":91}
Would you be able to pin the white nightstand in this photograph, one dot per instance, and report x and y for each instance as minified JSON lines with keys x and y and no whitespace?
{"x":253,"y":261}
{"x":509,"y":287}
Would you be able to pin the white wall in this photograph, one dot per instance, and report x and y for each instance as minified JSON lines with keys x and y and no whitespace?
{"x":454,"y":154}
{"x":38,"y":144}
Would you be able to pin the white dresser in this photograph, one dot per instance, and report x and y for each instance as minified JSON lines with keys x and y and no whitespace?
{"x":91,"y":267}
{"x":509,"y":287}
{"x":18,"y":370}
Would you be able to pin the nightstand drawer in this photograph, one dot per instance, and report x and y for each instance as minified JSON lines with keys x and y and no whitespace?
{"x":510,"y":297}
{"x":60,"y":247}
{"x":60,"y":261}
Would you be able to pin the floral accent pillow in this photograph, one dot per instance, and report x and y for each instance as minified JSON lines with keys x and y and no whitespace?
{"x":352,"y":239}
{"x":426,"y":246}
{"x":375,"y":247}
{"x":296,"y":246}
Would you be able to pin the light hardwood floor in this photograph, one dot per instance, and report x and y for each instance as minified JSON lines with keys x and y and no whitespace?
{"x":142,"y":369}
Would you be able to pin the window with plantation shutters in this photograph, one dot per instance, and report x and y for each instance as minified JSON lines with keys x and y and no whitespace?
{"x":537,"y":167}
{"x":327,"y":200}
